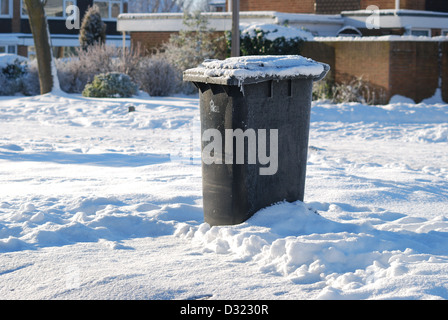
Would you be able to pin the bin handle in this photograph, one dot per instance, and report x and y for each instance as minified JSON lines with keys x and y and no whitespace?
{"x":324,"y":73}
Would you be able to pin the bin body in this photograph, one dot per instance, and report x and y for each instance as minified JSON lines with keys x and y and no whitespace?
{"x":270,"y":113}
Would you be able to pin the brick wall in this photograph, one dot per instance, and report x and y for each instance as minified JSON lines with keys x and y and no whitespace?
{"x":444,"y":73}
{"x":293,"y":6}
{"x":335,"y":7}
{"x":390,"y":4}
{"x":414,"y":69}
{"x":406,"y":68}
{"x":22,"y":51}
{"x":325,"y":6}
{"x":322,"y":52}
{"x":16,"y":16}
{"x":149,"y":41}
{"x":367,"y":60}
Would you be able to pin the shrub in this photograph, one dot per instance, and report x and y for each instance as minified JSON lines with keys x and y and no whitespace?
{"x":9,"y":87}
{"x":93,"y":29}
{"x":270,"y":39}
{"x":110,"y":85}
{"x":79,"y":69}
{"x":323,"y":90}
{"x":355,"y":90}
{"x":12,"y":71}
{"x":157,"y":76}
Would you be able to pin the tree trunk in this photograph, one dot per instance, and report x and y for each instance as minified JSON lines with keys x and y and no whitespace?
{"x":39,"y":28}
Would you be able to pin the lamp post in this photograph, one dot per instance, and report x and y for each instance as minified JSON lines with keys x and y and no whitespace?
{"x":235,"y":50}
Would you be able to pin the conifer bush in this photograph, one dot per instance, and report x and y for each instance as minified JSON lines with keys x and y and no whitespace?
{"x":93,"y":29}
{"x":110,"y":85}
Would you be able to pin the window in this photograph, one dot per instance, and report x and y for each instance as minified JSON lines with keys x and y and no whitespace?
{"x":421,"y":32}
{"x":109,"y":9}
{"x":8,"y":49}
{"x":53,"y":8}
{"x":5,"y":8}
{"x":444,"y":32}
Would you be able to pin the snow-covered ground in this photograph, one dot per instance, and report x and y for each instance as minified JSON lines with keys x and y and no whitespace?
{"x":97,"y":203}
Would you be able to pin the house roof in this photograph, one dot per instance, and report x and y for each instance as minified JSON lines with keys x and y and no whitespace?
{"x":318,"y":24}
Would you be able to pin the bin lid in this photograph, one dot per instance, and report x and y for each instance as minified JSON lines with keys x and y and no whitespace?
{"x":253,"y":69}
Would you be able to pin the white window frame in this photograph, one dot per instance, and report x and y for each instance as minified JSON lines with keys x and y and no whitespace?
{"x":9,"y":14}
{"x":421,"y":29}
{"x":7,"y":47}
{"x":120,"y":2}
{"x":64,"y":11}
{"x":444,"y":32}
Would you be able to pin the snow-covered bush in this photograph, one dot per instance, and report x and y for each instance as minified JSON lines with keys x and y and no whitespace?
{"x":110,"y":85}
{"x":270,"y":39}
{"x":9,"y":87}
{"x":93,"y":29}
{"x":356,"y":90}
{"x":13,"y":69}
{"x":157,"y":76}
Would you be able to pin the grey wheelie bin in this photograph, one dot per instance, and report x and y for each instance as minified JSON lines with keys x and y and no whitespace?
{"x":255,"y":115}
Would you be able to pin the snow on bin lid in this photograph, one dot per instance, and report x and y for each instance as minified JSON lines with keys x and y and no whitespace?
{"x":252,"y":69}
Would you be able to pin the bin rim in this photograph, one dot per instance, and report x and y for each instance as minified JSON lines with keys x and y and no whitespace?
{"x":201,"y":74}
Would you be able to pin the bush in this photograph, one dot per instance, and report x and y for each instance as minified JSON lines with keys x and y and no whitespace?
{"x":79,"y":69}
{"x":9,"y":87}
{"x":157,"y":76}
{"x":270,"y":39}
{"x":12,"y":72}
{"x":110,"y":85}
{"x":323,"y":90}
{"x":355,"y":90}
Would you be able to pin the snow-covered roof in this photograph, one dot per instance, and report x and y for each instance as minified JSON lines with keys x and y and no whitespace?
{"x":222,"y":21}
{"x":409,"y":19}
{"x":317,"y":24}
{"x":383,"y":38}
{"x":252,"y":69}
{"x":394,"y":12}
